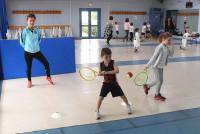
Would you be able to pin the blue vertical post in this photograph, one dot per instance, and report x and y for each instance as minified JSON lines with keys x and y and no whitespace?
{"x":3,"y":19}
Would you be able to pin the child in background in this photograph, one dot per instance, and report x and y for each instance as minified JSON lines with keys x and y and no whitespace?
{"x":158,"y":61}
{"x":30,"y":40}
{"x":126,"y":29}
{"x":185,"y":26}
{"x":108,"y":33}
{"x":131,"y":31}
{"x":185,"y":38}
{"x":144,"y":30}
{"x":136,"y":40}
{"x":108,"y":70}
{"x":117,"y":29}
{"x":148,"y":30}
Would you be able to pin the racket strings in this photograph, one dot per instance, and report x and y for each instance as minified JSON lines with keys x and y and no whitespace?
{"x":141,"y":79}
{"x":87,"y":74}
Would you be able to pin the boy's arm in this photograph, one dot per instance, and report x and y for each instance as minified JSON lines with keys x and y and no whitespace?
{"x":22,"y":39}
{"x":101,"y":73}
{"x":154,"y":57}
{"x":115,"y":71}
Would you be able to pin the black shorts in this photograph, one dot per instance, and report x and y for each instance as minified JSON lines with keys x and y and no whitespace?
{"x":143,"y":33}
{"x":117,"y":32}
{"x":114,"y":88}
{"x":148,"y":32}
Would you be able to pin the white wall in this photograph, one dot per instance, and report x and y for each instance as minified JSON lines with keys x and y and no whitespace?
{"x":72,"y":16}
{"x":19,"y":19}
{"x":179,"y":4}
{"x":191,"y":20}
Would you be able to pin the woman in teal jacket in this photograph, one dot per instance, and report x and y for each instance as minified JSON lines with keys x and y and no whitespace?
{"x":30,"y":40}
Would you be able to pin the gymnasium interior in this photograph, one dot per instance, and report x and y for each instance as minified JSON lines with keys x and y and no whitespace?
{"x":72,"y":37}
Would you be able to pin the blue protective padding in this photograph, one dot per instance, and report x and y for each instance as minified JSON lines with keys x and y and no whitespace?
{"x":183,"y":122}
{"x":60,"y":53}
{"x":1,"y":71}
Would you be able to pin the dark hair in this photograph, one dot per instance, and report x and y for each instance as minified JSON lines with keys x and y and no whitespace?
{"x":185,"y":22}
{"x":105,"y":51}
{"x":131,"y":23}
{"x":137,"y":29}
{"x":164,"y":36}
{"x":116,"y":22}
{"x":127,"y":20}
{"x":110,"y":17}
{"x":31,"y":16}
{"x":144,"y":23}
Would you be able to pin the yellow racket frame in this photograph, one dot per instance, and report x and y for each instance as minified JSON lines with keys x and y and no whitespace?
{"x":92,"y":70}
{"x":143,"y":81}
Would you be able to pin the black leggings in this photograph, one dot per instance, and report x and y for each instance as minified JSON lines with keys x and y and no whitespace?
{"x":29,"y":59}
{"x":109,"y":38}
{"x":131,"y":36}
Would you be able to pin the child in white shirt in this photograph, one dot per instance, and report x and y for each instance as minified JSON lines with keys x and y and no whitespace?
{"x":148,"y":31}
{"x":126,"y":28}
{"x":185,"y":39}
{"x":144,"y":30}
{"x":136,"y":40}
{"x":117,"y":29}
{"x":131,"y":31}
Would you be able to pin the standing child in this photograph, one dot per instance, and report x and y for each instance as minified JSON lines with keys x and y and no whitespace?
{"x":117,"y":29}
{"x":136,"y":40}
{"x":148,"y":30}
{"x":158,"y":61}
{"x":185,"y":39}
{"x":30,"y":40}
{"x":144,"y":30}
{"x":108,"y":70}
{"x":185,"y":26}
{"x":108,"y":33}
{"x":131,"y":30}
{"x":126,"y":28}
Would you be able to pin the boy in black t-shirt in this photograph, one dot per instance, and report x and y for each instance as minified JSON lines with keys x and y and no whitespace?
{"x":108,"y":69}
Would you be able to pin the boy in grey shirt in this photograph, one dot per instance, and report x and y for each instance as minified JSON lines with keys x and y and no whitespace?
{"x":158,"y":61}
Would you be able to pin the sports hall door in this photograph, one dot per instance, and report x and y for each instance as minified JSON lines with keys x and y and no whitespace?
{"x":90,"y":23}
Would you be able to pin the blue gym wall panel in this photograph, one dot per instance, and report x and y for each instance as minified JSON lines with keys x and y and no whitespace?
{"x":1,"y":71}
{"x":156,"y":20}
{"x":60,"y":52}
{"x":3,"y":19}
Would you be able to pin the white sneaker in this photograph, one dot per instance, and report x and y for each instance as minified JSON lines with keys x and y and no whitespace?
{"x":98,"y":116}
{"x":130,"y":110}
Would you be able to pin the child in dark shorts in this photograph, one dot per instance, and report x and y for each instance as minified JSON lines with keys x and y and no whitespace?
{"x":108,"y":70}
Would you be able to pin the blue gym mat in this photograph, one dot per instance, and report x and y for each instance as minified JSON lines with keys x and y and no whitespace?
{"x":183,"y":122}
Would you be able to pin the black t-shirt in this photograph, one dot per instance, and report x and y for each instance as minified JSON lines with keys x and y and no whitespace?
{"x":108,"y":78}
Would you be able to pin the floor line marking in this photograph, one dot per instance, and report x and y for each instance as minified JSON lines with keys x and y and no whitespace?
{"x":142,"y":62}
